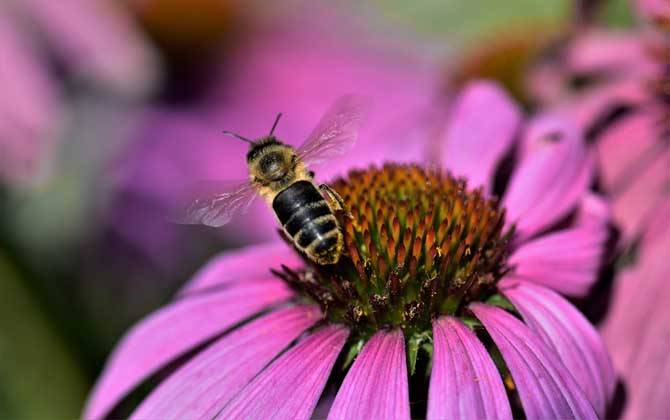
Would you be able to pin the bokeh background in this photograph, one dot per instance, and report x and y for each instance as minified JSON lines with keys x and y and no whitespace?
{"x":107,"y":107}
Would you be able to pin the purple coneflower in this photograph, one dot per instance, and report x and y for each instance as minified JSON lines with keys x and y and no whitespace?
{"x":618,"y":85}
{"x":442,"y":285}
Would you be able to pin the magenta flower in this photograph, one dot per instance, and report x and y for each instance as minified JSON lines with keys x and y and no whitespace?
{"x":441,"y":284}
{"x":623,"y":100}
{"x":95,"y":41}
{"x":615,"y":83}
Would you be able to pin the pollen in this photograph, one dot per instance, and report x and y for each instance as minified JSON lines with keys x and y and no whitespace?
{"x":417,"y":244}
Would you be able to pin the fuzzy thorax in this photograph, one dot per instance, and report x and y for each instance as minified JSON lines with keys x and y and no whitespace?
{"x":417,"y":244}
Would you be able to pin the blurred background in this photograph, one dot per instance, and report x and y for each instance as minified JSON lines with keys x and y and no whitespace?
{"x":109,"y":106}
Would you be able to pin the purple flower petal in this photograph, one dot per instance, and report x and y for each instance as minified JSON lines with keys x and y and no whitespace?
{"x":554,"y":173}
{"x":99,"y":40}
{"x":242,"y":264}
{"x":637,"y":332}
{"x":546,"y":387}
{"x":567,"y":261}
{"x":376,"y":385}
{"x":173,"y":330}
{"x":562,"y":327}
{"x":593,"y":210}
{"x":290,"y":387}
{"x":474,"y":145}
{"x":464,"y":382}
{"x":203,"y":386}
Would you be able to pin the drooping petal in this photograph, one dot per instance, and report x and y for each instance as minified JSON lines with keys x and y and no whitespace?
{"x":637,"y":332}
{"x":203,"y":386}
{"x":173,"y":330}
{"x":546,"y":388}
{"x":239,"y":265}
{"x":636,"y":173}
{"x":464,"y":382}
{"x":376,"y":385}
{"x":99,"y":40}
{"x":567,"y":261}
{"x":290,"y":387}
{"x":554,"y":172}
{"x":473,"y":145}
{"x":562,"y":327}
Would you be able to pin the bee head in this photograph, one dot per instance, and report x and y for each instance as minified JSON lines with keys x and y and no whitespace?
{"x":270,"y":160}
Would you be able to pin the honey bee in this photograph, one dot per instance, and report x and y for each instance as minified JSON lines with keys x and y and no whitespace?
{"x":279,"y":173}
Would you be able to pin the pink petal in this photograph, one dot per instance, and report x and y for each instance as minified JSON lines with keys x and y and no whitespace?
{"x":173,"y":330}
{"x":242,"y":264}
{"x":657,"y":225}
{"x":474,"y":145}
{"x":546,"y":388}
{"x":563,"y":328}
{"x":207,"y":383}
{"x":99,"y":40}
{"x":290,"y":387}
{"x":636,"y":172}
{"x":567,"y":261}
{"x":376,"y":385}
{"x":606,"y":51}
{"x":617,"y":153}
{"x":653,"y":9}
{"x":554,"y":173}
{"x":464,"y":382}
{"x":637,"y":333}
{"x":594,"y":210}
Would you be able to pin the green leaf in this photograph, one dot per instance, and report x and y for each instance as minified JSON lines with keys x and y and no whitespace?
{"x":471,"y":322}
{"x":354,"y":349}
{"x":501,"y":302}
{"x":415,"y":342}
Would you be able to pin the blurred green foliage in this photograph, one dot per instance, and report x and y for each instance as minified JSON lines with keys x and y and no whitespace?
{"x":470,"y":21}
{"x":39,"y":377}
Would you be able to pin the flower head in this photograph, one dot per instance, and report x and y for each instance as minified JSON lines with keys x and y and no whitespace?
{"x":436,"y":273}
{"x":617,"y":84}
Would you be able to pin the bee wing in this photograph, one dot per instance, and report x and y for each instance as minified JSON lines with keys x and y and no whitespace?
{"x":336,"y":132}
{"x":214,"y":203}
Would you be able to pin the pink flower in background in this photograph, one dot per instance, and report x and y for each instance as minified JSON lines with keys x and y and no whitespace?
{"x":298,"y":72}
{"x":94,"y":41}
{"x":621,"y":93}
{"x":432,"y":267}
{"x":616,"y":83}
{"x":637,"y":329}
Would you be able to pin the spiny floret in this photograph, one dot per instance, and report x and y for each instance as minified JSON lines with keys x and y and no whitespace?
{"x":417,"y":244}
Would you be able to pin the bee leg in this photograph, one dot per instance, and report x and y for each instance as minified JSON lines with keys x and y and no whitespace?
{"x":334,"y":200}
{"x":310,"y":174}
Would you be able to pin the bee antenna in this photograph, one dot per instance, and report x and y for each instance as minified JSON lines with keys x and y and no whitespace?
{"x":275,"y":124}
{"x":237,"y":136}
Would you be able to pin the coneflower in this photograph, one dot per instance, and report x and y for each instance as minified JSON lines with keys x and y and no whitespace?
{"x":446,"y":303}
{"x":623,"y":101}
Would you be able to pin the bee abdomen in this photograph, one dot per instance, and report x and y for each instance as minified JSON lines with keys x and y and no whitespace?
{"x":307,"y":218}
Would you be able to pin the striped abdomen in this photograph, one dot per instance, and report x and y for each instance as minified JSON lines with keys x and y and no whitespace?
{"x":307,"y":218}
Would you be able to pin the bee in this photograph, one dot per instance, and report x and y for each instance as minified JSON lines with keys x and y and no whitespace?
{"x":279,"y":173}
